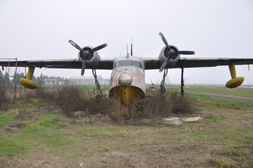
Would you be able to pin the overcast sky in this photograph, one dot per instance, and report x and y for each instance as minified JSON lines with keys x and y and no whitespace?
{"x":35,"y":30}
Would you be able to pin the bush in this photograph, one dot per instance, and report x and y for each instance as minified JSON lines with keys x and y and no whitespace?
{"x":162,"y":106}
{"x":46,"y":94}
{"x":77,"y":102}
{"x":70,"y":99}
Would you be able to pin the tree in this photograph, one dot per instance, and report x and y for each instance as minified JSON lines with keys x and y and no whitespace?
{"x":1,"y":79}
{"x":7,"y":79}
{"x":18,"y":76}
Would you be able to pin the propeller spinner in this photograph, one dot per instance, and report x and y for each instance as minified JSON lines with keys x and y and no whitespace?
{"x":86,"y":53}
{"x":169,"y":52}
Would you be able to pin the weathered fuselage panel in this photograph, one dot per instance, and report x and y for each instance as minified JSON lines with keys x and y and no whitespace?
{"x":127,"y":80}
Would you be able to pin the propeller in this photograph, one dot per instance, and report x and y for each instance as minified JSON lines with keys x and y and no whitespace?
{"x":86,"y":53}
{"x":169,"y":52}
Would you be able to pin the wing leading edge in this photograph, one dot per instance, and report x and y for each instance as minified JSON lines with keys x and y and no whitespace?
{"x":106,"y":64}
{"x":154,"y":63}
{"x":150,"y":63}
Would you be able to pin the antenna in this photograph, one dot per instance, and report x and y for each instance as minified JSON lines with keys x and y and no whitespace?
{"x":127,"y":49}
{"x":131,"y":47}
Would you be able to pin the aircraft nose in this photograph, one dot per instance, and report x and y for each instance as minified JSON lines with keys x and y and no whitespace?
{"x":125,"y":80}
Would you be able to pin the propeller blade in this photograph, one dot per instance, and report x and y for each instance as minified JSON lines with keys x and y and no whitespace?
{"x":167,"y":59}
{"x":164,"y":40}
{"x":99,"y":47}
{"x":186,"y":52}
{"x":164,"y":64}
{"x":75,"y":45}
{"x":83,"y":66}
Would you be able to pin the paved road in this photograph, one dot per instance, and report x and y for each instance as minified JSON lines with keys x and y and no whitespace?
{"x":224,"y":96}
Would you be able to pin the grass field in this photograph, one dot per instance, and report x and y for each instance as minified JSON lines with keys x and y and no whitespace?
{"x":33,"y":133}
{"x":240,"y":91}
{"x":246,"y":91}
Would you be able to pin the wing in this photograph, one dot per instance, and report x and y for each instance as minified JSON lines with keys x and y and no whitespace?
{"x":62,"y":63}
{"x":154,"y":63}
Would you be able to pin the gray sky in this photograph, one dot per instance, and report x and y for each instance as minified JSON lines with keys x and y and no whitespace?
{"x":31,"y":30}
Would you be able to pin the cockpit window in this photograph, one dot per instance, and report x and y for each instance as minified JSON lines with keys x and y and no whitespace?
{"x":135,"y":63}
{"x":120,"y":63}
{"x":128,"y":63}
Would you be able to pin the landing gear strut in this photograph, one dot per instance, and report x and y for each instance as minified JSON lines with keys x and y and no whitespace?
{"x":162,"y":89}
{"x":182,"y":80}
{"x":96,"y":81}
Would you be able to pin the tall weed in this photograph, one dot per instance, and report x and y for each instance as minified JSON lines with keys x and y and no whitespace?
{"x":3,"y":99}
{"x":72,"y":100}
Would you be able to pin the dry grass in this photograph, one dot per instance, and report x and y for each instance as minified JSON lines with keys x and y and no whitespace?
{"x":70,"y":100}
{"x":25,"y":116}
{"x":13,"y":127}
{"x":3,"y":99}
{"x":163,"y":106}
{"x":73,"y":101}
{"x":222,"y":139}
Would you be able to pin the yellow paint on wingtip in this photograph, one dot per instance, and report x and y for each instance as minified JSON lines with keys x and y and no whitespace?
{"x":160,"y":71}
{"x":235,"y":82}
{"x":69,"y":41}
{"x":106,"y":44}
{"x":81,"y":75}
{"x":29,"y":84}
{"x":160,"y":33}
{"x":193,"y":52}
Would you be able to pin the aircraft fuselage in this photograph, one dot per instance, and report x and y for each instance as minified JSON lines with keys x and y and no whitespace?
{"x":128,"y":79}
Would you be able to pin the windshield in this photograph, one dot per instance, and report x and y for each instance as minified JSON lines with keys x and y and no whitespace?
{"x":128,"y":63}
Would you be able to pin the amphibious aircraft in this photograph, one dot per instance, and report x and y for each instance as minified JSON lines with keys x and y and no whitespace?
{"x":128,"y":72}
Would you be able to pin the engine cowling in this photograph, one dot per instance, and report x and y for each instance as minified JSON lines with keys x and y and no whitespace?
{"x":92,"y":60}
{"x":174,"y":56}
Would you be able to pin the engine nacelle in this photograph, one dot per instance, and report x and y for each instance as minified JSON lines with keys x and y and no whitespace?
{"x":92,"y":60}
{"x":174,"y":56}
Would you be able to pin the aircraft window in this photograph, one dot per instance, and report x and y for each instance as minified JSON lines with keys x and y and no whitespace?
{"x":128,"y":63}
{"x":120,"y":63}
{"x":135,"y":63}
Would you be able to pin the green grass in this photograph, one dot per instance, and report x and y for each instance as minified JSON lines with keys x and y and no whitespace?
{"x":31,"y":102}
{"x":211,"y":118}
{"x":222,"y":139}
{"x":6,"y":116}
{"x":244,"y":92}
{"x":215,"y":89}
{"x":222,"y":161}
{"x":10,"y":147}
{"x":214,"y":102}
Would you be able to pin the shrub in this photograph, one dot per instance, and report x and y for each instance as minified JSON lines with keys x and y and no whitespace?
{"x":77,"y":102}
{"x":162,"y":106}
{"x":70,"y":99}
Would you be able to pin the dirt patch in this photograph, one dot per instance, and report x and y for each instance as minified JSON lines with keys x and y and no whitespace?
{"x":25,"y":116}
{"x":13,"y":127}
